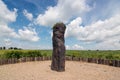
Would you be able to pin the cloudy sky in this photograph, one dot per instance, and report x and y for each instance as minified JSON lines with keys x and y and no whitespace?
{"x":91,"y":24}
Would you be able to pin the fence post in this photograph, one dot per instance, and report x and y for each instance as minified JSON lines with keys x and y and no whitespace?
{"x":9,"y":61}
{"x":80,"y":59}
{"x":0,"y":62}
{"x":69,"y":58}
{"x":35,"y":58}
{"x":86,"y":60}
{"x":106,"y":62}
{"x":40,"y":58}
{"x":92,"y":60}
{"x":95,"y":60}
{"x":99,"y":61}
{"x":27,"y":59}
{"x":116,"y":63}
{"x":32,"y":58}
{"x":16,"y":60}
{"x":89,"y":60}
{"x":12,"y":60}
{"x":75,"y":59}
{"x":48,"y":57}
{"x":23,"y":59}
{"x":119,"y":63}
{"x":66,"y":58}
{"x":4,"y":61}
{"x":102,"y":61}
{"x":113,"y":61}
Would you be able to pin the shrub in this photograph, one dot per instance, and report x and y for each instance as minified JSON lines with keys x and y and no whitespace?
{"x":74,"y":53}
{"x":33,"y":53}
{"x":13,"y":54}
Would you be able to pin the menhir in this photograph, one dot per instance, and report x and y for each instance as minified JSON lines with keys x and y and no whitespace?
{"x":58,"y":55}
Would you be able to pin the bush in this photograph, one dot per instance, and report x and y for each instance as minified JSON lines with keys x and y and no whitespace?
{"x":32,"y":53}
{"x":13,"y":54}
{"x":19,"y":54}
{"x":74,"y":53}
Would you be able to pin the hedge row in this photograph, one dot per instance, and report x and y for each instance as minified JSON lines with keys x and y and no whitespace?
{"x":111,"y":55}
{"x":19,"y":54}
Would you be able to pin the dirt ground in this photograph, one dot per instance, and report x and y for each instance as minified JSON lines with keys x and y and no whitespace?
{"x":74,"y":71}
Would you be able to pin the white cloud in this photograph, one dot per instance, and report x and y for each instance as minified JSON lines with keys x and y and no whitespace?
{"x":8,"y":41}
{"x":28,"y":34}
{"x":7,"y":16}
{"x":73,"y":29}
{"x":100,"y":31}
{"x":28,"y":15}
{"x":77,"y":47}
{"x":74,"y":47}
{"x":67,"y":47}
{"x":63,"y":11}
{"x":111,"y":43}
{"x":5,"y":31}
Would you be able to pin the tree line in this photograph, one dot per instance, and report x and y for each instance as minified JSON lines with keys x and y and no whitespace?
{"x":10,"y":48}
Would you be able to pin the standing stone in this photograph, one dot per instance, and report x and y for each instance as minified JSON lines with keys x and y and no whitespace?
{"x":58,"y":55}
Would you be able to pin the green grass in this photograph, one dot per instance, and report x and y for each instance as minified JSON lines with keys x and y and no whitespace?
{"x":108,"y":54}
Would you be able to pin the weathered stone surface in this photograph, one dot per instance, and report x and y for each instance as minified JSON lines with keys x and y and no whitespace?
{"x":58,"y":56}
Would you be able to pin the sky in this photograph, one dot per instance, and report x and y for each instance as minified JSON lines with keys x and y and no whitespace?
{"x":90,"y":24}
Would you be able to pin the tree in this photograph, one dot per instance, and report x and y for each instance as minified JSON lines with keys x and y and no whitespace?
{"x":11,"y":48}
{"x":15,"y":48}
{"x":4,"y":48}
{"x":0,"y":48}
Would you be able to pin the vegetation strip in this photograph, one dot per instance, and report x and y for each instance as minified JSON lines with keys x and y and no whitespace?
{"x":109,"y":54}
{"x":111,"y":58}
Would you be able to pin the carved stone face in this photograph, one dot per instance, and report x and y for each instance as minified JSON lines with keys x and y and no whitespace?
{"x":59,"y":27}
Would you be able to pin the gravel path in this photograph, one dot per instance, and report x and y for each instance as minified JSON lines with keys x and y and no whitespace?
{"x":74,"y":71}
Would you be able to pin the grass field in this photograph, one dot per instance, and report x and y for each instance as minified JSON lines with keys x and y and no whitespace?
{"x":108,"y":54}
